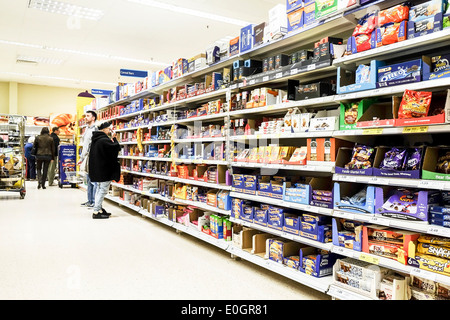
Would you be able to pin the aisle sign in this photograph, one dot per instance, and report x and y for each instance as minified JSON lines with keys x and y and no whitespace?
{"x":133,"y":73}
{"x":100,"y":92}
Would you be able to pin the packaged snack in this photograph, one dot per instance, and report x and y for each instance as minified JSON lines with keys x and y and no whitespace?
{"x":425,"y":10}
{"x":423,"y":284}
{"x":434,"y":240}
{"x":414,"y":160}
{"x":362,"y":74}
{"x":434,"y":250}
{"x":433,"y":264}
{"x":362,"y":42}
{"x":393,"y":159}
{"x":397,"y":13}
{"x":366,"y":24}
{"x":389,"y":33}
{"x":351,"y":113}
{"x":359,"y":199}
{"x":442,"y":165}
{"x":415,"y":104}
{"x":323,"y":193}
{"x":361,"y":158}
{"x":402,"y":201}
{"x":322,"y":198}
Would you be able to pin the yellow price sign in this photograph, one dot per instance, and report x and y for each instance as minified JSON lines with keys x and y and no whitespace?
{"x":373,"y":131}
{"x":270,"y":107}
{"x":368,"y":258}
{"x":418,"y":129}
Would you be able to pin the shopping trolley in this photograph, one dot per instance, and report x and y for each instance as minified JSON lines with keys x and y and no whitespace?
{"x":67,"y":174}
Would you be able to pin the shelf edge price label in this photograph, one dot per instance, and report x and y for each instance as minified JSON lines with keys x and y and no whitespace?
{"x":265,"y":78}
{"x":278,"y":75}
{"x":251,"y":82}
{"x":418,"y":129}
{"x":368,"y":258}
{"x":311,"y":67}
{"x":423,"y":274}
{"x":372,"y":131}
{"x":293,"y":71}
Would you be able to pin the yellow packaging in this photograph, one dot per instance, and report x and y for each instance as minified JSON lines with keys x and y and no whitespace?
{"x":433,"y":264}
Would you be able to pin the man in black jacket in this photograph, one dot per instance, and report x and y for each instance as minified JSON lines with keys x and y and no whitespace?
{"x":103,"y":165}
{"x":52,"y":166}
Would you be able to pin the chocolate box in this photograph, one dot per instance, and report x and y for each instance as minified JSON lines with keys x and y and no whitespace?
{"x":400,"y":73}
{"x":275,"y":218}
{"x":344,"y":238}
{"x":291,"y":223}
{"x":313,"y":90}
{"x":315,"y":262}
{"x":437,"y":67}
{"x":404,"y":206}
{"x":295,"y":20}
{"x":423,"y":27}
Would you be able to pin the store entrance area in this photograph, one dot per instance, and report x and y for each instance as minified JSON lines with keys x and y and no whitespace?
{"x":53,"y":249}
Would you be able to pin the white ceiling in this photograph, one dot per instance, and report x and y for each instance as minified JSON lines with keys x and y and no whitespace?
{"x":126,"y":30}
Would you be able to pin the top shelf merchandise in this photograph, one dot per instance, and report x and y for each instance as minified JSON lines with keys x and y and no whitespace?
{"x":329,"y":132}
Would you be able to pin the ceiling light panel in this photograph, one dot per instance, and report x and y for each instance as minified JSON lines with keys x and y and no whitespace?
{"x":192,"y":12}
{"x":42,"y":60}
{"x":64,"y":8}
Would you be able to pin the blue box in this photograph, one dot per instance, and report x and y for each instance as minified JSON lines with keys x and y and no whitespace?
{"x":420,"y":12}
{"x":321,"y":233}
{"x":291,"y":223}
{"x":275,"y":218}
{"x":300,"y":194}
{"x":339,"y":239}
{"x":440,"y":210}
{"x":442,"y":223}
{"x":400,"y":73}
{"x":260,"y":217}
{"x":313,"y":263}
{"x":246,"y":38}
{"x":309,"y":13}
{"x":292,"y":5}
{"x":343,"y":85}
{"x":348,"y":189}
{"x":295,"y":20}
{"x":250,"y":184}
{"x":436,"y":67}
{"x":420,"y":28}
{"x":238,"y":182}
{"x":247,"y":212}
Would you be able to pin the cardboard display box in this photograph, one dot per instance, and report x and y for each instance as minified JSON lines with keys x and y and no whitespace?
{"x":416,"y":210}
{"x":281,"y":248}
{"x":316,"y":264}
{"x":439,"y":100}
{"x":242,"y":237}
{"x":291,"y":223}
{"x":325,"y":149}
{"x":346,"y":78}
{"x":377,"y":115}
{"x":351,"y":112}
{"x":430,"y":163}
{"x":411,"y":174}
{"x":388,"y":242}
{"x":344,"y":157}
{"x":346,"y":239}
{"x":342,"y":189}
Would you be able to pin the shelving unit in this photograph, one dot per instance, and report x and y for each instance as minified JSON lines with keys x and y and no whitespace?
{"x":341,"y":25}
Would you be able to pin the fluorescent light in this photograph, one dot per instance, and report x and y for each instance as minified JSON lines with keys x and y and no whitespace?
{"x":91,"y":54}
{"x":196,"y":13}
{"x":66,"y":9}
{"x":18,"y":74}
{"x":42,"y":60}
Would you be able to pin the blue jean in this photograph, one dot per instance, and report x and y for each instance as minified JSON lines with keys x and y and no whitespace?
{"x":91,"y":189}
{"x":102,"y":190}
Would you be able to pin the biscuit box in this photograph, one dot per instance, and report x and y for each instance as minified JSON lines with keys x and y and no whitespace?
{"x":291,"y":223}
{"x":250,"y":184}
{"x":423,"y":27}
{"x":275,"y":218}
{"x":345,"y":238}
{"x":315,"y":262}
{"x":279,"y":249}
{"x":388,"y":242}
{"x":260,"y":217}
{"x":400,"y":73}
{"x":292,"y":262}
{"x":426,"y":10}
{"x":314,"y":231}
{"x":439,"y":67}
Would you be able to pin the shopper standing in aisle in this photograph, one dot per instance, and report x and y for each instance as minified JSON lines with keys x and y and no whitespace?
{"x":104,"y":165}
{"x":90,"y":118}
{"x":31,"y":160}
{"x":44,"y":146}
{"x":53,"y":163}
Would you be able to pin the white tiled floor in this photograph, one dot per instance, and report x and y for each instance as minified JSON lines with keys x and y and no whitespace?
{"x":51,"y":248}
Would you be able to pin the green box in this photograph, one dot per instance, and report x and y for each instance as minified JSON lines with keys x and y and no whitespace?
{"x":429,"y":164}
{"x":363,"y":105}
{"x":325,"y":7}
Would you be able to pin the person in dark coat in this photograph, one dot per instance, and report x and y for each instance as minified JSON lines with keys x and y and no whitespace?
{"x":104,"y":165}
{"x":52,"y":167}
{"x":31,"y":160}
{"x":45,"y":152}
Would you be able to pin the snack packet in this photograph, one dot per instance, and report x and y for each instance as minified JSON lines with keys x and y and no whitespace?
{"x":393,"y":159}
{"x":414,"y":160}
{"x":358,"y":199}
{"x":397,"y":13}
{"x":415,"y":104}
{"x":360,"y":158}
{"x":366,"y":24}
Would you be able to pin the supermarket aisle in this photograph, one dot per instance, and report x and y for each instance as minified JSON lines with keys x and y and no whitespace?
{"x":51,"y":248}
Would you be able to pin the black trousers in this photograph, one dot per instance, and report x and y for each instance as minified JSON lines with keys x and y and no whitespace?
{"x":42,"y":170}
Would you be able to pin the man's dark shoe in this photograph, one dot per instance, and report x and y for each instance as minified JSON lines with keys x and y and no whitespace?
{"x":100,"y":215}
